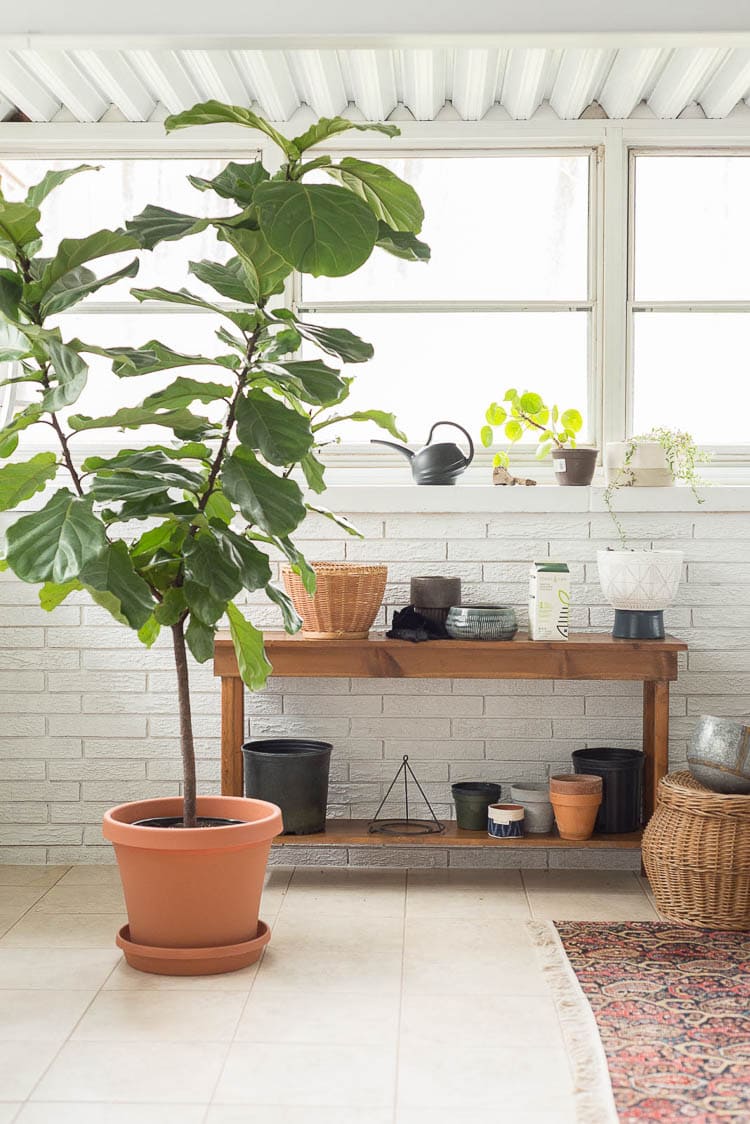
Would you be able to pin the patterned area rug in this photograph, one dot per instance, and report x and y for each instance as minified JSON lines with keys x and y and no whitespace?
{"x":672,"y":1007}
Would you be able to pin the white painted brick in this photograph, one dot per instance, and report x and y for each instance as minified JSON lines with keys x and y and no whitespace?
{"x":307,"y":856}
{"x":97,"y":770}
{"x":623,"y":706}
{"x":552,"y":706}
{"x":401,"y":727}
{"x":40,"y":748}
{"x":82,"y":812}
{"x":533,"y":749}
{"x":16,"y":770}
{"x":395,"y":550}
{"x":436,"y":526}
{"x":17,"y":681}
{"x":693,"y":593}
{"x":722,"y":525}
{"x":279,"y":685}
{"x":97,"y":726}
{"x":462,"y":749}
{"x":318,"y":527}
{"x":444,"y":706}
{"x":502,"y":687}
{"x":204,"y":726}
{"x":25,"y":856}
{"x":542,"y":527}
{"x":25,"y":812}
{"x":39,"y":702}
{"x":419,"y":687}
{"x":39,"y":659}
{"x":77,"y":682}
{"x":291,"y":727}
{"x":502,"y":857}
{"x":519,"y":572}
{"x":39,"y":790}
{"x":730,"y":706}
{"x":722,"y":616}
{"x":645,"y":525}
{"x":719,"y":661}
{"x":498,"y":550}
{"x":573,"y":858}
{"x":402,"y":571}
{"x":23,"y":726}
{"x":23,"y":638}
{"x":362,"y":771}
{"x":45,"y":834}
{"x":331,"y":705}
{"x":493,"y":727}
{"x":99,"y":856}
{"x":33,"y":616}
{"x":596,"y":727}
{"x":399,"y":857}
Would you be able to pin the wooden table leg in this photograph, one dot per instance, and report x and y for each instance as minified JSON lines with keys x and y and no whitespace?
{"x":232,"y":734}
{"x":655,"y":740}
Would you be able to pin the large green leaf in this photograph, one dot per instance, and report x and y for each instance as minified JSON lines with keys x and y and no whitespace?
{"x":79,"y":283}
{"x":329,"y":126}
{"x":217,"y":113}
{"x":292,"y":619}
{"x":248,"y":646}
{"x":184,"y":424}
{"x":380,"y":417}
{"x":115,"y":586}
{"x":22,"y":420}
{"x":318,"y":228}
{"x":314,"y":381}
{"x":153,"y":356}
{"x":13,"y":344}
{"x":18,"y":227}
{"x":314,"y":473}
{"x":390,"y":199}
{"x":158,"y":224}
{"x":236,"y":181}
{"x":50,"y":180}
{"x":208,"y":609}
{"x":73,"y":252}
{"x":282,"y":435}
{"x":252,"y":564}
{"x":271,"y":502}
{"x":230,"y":280}
{"x":21,"y":480}
{"x":337,"y":341}
{"x":53,"y":594}
{"x":200,"y":639}
{"x":402,"y":244}
{"x":179,"y":296}
{"x":72,"y":373}
{"x":298,"y":562}
{"x":11,"y":291}
{"x":339,"y":520}
{"x":55,"y":543}
{"x":268,"y":268}
{"x":183,"y":391}
{"x":207,"y":564}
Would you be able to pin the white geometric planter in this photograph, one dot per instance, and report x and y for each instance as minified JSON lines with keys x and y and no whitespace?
{"x":640,"y":580}
{"x":648,"y":466}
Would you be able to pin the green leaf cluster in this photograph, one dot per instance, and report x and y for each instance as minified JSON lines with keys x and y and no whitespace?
{"x":528,"y":413}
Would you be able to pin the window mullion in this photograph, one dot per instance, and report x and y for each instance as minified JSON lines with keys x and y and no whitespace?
{"x":613,"y":257}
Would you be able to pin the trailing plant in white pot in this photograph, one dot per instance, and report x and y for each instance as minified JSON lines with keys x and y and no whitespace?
{"x":641,"y":584}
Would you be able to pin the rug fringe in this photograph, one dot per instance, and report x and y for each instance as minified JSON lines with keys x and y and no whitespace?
{"x":594,"y":1099}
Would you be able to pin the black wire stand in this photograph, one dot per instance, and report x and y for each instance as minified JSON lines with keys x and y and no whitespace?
{"x":407,"y":825}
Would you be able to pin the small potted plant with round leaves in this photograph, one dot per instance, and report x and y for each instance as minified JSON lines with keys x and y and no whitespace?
{"x":555,"y":430}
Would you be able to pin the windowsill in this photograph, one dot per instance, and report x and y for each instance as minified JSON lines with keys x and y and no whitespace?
{"x":467,"y":497}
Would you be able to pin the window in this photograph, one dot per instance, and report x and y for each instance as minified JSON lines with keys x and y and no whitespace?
{"x":506,"y":300}
{"x":690,"y":294}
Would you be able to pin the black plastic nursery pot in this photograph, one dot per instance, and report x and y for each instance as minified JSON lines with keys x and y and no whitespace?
{"x":472,"y":799}
{"x":574,"y":467}
{"x":292,"y":773}
{"x":621,"y":771}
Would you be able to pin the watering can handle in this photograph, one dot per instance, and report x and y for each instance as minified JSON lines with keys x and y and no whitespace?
{"x":456,"y":426}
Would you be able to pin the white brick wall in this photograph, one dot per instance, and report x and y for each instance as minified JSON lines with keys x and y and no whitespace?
{"x":89,"y":715}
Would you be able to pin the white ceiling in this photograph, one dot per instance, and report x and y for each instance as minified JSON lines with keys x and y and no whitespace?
{"x":45,"y":83}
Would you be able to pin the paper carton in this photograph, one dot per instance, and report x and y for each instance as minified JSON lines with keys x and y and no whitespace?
{"x":549,"y":601}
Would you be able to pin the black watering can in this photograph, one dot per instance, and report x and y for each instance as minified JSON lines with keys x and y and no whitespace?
{"x":442,"y":463}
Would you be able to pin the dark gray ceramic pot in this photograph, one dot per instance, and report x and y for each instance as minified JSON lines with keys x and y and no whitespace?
{"x":719,"y":754}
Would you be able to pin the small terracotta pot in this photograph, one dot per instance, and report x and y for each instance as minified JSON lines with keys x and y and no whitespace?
{"x":193,"y":895}
{"x":575,"y":799}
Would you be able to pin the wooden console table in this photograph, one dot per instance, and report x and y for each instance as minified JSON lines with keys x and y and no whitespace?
{"x":595,"y":656}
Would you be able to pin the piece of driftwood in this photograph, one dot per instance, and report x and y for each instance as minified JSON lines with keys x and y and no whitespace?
{"x":501,"y":475}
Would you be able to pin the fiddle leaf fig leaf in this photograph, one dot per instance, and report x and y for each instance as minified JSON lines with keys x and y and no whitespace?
{"x":183,"y":391}
{"x":158,"y":224}
{"x":401,"y":244}
{"x":172,"y":606}
{"x":53,"y":179}
{"x":184,"y":424}
{"x":299,"y":563}
{"x":13,"y":344}
{"x":282,"y":435}
{"x":314,"y":473}
{"x":316,"y":383}
{"x":292,"y":619}
{"x":148,"y":634}
{"x":52,"y":594}
{"x":262,"y":264}
{"x":217,"y":113}
{"x":329,"y":127}
{"x":55,"y":543}
{"x":318,"y":228}
{"x":337,"y":341}
{"x":200,"y":639}
{"x":11,"y":291}
{"x":74,"y":252}
{"x":209,"y":566}
{"x":230,"y":280}
{"x":339,"y":520}
{"x":18,"y":227}
{"x":392,"y":201}
{"x":72,"y":374}
{"x":115,"y":586}
{"x":21,"y":480}
{"x":272,"y":502}
{"x":236,"y":181}
{"x":79,"y":283}
{"x":153,"y":356}
{"x":248,"y":646}
{"x":382,"y":419}
{"x":252,"y":564}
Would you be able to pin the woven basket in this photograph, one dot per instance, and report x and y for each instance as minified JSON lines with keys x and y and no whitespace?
{"x":345,"y":602}
{"x":696,"y":851}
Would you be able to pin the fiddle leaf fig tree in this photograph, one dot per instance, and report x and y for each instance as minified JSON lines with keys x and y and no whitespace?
{"x":217,"y":493}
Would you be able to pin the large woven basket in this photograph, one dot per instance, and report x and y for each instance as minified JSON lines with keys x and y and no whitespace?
{"x":345,"y":602}
{"x":696,"y":851}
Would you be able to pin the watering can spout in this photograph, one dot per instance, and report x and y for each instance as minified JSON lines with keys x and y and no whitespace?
{"x":393,"y":445}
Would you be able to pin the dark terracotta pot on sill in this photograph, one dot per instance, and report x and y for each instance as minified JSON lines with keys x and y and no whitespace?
{"x":574,"y":467}
{"x":193,"y":896}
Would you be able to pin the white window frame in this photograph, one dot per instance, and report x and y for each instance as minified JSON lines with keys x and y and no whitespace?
{"x":611,"y":203}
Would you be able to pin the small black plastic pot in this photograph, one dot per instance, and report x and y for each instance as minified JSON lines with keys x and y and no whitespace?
{"x":574,"y":467}
{"x":292,"y":773}
{"x":621,"y":771}
{"x":472,"y":798}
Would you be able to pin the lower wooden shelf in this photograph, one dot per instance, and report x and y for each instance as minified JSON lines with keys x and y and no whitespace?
{"x":354,"y":833}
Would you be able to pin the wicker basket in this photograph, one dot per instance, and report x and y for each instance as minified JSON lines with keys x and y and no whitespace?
{"x":345,"y":603}
{"x":696,"y":851}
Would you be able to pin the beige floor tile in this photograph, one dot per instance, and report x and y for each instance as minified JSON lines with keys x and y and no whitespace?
{"x":473,"y":1077}
{"x":61,"y":1112}
{"x":41,"y":1016}
{"x":56,"y":969}
{"x":9,"y":1111}
{"x":50,"y":930}
{"x":291,"y":1015}
{"x":470,"y":958}
{"x":301,"y":1075}
{"x":279,"y":1114}
{"x":167,"y":1016}
{"x":125,"y":978}
{"x":11,"y":917}
{"x":530,"y":1110}
{"x":148,"y":1072}
{"x":274,"y":891}
{"x":21,"y":1066}
{"x":602,"y":906}
{"x":465,"y":894}
{"x":322,"y":953}
{"x":79,"y":900}
{"x":19,"y":875}
{"x":20,"y":898}
{"x":494,"y":1019}
{"x":338,"y":893}
{"x":98,"y":874}
{"x":565,"y":882}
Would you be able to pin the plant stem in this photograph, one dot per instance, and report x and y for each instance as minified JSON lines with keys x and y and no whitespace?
{"x":187,"y":743}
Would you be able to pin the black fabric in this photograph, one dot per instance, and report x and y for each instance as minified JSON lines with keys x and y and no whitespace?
{"x":409,"y":624}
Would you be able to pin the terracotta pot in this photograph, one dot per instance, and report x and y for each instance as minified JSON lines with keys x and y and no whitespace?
{"x":193,"y":895}
{"x":575,"y":800}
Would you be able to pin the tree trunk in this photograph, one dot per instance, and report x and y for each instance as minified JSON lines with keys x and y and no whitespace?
{"x":187,"y":745}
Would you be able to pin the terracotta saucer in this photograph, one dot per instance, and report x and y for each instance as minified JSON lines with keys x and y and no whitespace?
{"x":193,"y":961}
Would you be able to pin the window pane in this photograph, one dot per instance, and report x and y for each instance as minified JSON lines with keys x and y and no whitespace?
{"x":691,"y":372}
{"x":100,"y":200}
{"x":430,"y":366}
{"x":692,"y":227}
{"x":500,"y":228}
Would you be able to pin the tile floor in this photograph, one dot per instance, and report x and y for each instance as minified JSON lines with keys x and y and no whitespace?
{"x":385,"y":997}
